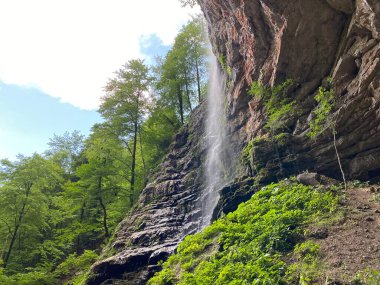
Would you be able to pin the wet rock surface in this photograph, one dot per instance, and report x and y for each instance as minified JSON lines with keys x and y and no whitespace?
{"x":166,"y":212}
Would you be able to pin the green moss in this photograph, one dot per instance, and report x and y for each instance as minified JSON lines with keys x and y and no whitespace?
{"x":224,"y":65}
{"x":282,"y":138}
{"x":248,"y":152}
{"x":375,"y":197}
{"x":248,"y":246}
{"x":278,"y":105}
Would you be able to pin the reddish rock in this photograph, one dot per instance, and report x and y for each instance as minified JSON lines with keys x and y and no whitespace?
{"x":270,"y":41}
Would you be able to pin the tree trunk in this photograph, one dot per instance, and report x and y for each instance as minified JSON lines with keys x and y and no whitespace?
{"x":78,"y":239}
{"x":4,"y":246}
{"x":198,"y":80}
{"x":142,"y":157}
{"x":188,"y":91}
{"x":106,"y":232}
{"x":17,"y":226}
{"x":180,"y":103}
{"x":133,"y":168}
{"x":8,"y":255}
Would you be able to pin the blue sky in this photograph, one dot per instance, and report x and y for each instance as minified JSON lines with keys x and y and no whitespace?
{"x":152,"y":46}
{"x":28,"y":118}
{"x":52,"y":71}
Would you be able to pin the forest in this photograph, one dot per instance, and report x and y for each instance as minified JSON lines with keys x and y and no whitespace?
{"x":59,"y":208}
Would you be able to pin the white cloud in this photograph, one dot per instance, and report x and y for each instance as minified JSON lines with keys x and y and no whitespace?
{"x":68,"y":48}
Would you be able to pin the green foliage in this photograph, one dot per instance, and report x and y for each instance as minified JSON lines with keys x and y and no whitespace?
{"x":376,"y":197}
{"x":326,"y":100}
{"x":278,"y":106}
{"x":26,"y":208}
{"x":65,"y":149}
{"x":125,"y":102}
{"x":367,"y":277}
{"x":224,"y":65}
{"x":181,"y":76}
{"x":76,"y":266}
{"x":31,"y":278}
{"x":307,"y":268}
{"x":358,"y":184}
{"x":246,"y":246}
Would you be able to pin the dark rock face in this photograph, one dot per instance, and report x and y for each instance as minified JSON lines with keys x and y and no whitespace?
{"x":232,"y":195}
{"x":270,"y":41}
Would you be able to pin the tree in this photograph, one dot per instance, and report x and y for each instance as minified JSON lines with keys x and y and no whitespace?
{"x":190,"y":3}
{"x":125,"y":106}
{"x":101,"y":176}
{"x":66,"y":149}
{"x":23,"y":201}
{"x":196,"y":45}
{"x":182,"y":74}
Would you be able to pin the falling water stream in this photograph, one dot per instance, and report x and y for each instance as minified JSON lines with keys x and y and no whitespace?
{"x":216,"y":143}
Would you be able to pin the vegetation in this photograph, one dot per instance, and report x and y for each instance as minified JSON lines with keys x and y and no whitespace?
{"x":248,"y":246}
{"x":322,"y":119}
{"x":190,"y":3}
{"x":60,"y":207}
{"x":325,"y":99}
{"x":180,"y":77}
{"x":279,"y":107}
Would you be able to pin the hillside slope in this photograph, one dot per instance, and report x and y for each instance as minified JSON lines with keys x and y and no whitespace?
{"x":287,"y":233}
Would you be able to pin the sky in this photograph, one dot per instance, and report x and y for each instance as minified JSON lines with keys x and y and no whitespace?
{"x":57,"y":55}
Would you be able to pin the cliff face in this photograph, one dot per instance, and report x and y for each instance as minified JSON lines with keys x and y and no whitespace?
{"x":306,"y":41}
{"x":268,"y":41}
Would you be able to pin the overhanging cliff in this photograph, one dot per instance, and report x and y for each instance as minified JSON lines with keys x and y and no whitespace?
{"x":306,"y":41}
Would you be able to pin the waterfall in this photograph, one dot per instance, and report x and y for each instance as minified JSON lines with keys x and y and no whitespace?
{"x":216,"y":141}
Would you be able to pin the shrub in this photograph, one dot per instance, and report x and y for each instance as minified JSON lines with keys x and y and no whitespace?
{"x":325,"y":99}
{"x":76,"y":266}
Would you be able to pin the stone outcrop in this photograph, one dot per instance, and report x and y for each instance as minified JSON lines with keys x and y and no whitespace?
{"x":166,"y":212}
{"x":269,"y":41}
